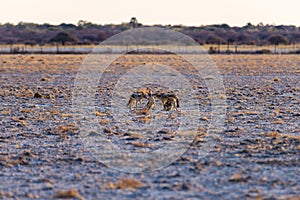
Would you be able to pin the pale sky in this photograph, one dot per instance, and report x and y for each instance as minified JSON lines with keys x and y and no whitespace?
{"x":148,"y":12}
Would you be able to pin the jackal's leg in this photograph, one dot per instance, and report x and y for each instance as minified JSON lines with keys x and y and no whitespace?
{"x":129,"y":104}
{"x":177,"y":102}
{"x":175,"y":107}
{"x":163,"y":102}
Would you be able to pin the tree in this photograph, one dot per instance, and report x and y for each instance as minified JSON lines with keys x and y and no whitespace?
{"x":277,"y":39}
{"x":231,"y":38}
{"x":133,"y":22}
{"x":82,"y":23}
{"x":295,"y":37}
{"x":213,"y":39}
{"x":249,"y":26}
{"x":101,"y":36}
{"x":67,"y":26}
{"x":63,"y":37}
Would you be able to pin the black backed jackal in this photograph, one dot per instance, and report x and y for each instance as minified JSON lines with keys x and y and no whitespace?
{"x":169,"y":99}
{"x":163,"y":97}
{"x":170,"y":103}
{"x":151,"y":102}
{"x":136,"y":98}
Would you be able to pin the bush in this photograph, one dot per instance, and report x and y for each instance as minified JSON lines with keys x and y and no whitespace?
{"x":263,"y":51}
{"x":212,"y":50}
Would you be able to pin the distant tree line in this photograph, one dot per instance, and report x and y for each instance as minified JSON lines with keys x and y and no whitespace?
{"x":85,"y":32}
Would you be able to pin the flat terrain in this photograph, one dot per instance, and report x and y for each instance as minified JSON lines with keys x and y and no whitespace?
{"x":255,"y":156}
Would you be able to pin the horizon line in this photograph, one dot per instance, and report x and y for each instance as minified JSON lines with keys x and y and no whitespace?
{"x":154,"y":24}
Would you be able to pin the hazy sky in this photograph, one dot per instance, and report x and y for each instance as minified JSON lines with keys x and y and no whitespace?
{"x":187,"y":12}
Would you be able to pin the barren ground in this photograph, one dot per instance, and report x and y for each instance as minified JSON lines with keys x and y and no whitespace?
{"x":256,"y":156}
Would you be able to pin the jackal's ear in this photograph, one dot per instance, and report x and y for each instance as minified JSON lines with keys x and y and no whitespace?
{"x":149,"y":90}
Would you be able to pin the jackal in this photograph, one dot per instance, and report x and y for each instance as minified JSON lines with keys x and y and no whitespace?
{"x":165,"y":96}
{"x":151,"y":102}
{"x":170,"y":103}
{"x":136,"y":98}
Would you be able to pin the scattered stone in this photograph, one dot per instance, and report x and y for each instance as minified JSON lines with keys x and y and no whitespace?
{"x":38,"y":95}
{"x":45,"y":79}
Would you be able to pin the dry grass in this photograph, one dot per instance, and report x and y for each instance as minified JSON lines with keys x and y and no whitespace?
{"x":271,"y":134}
{"x":66,"y":115}
{"x":63,"y":129}
{"x":68,"y":194}
{"x":237,"y":177}
{"x":21,"y":121}
{"x":100,"y":114}
{"x":126,"y":184}
{"x":5,"y":112}
{"x":248,"y":112}
{"x":140,"y":144}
